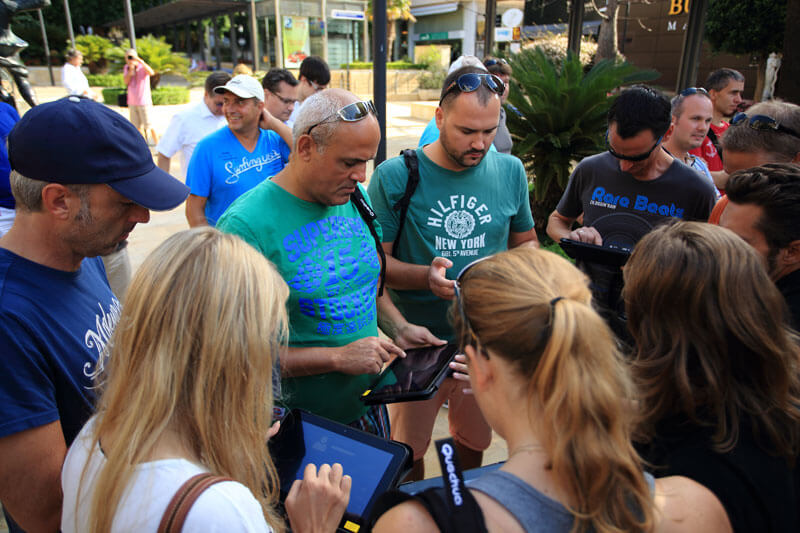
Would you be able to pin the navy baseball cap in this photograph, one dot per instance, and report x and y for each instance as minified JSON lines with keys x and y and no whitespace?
{"x":78,"y":141}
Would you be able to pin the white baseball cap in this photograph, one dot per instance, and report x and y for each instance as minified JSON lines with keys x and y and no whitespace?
{"x":466,"y":61}
{"x":243,"y":86}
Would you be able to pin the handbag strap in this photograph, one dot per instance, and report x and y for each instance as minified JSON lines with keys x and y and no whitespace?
{"x":184,"y":498}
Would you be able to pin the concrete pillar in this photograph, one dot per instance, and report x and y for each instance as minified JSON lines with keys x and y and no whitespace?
{"x":470,"y":10}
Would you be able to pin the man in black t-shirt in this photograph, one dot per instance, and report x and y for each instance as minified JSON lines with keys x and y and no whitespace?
{"x":623,"y":192}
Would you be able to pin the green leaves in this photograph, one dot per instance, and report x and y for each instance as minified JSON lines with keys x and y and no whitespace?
{"x":556,"y":113}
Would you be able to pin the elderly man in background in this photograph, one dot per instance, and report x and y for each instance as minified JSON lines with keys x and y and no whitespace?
{"x":72,"y":77}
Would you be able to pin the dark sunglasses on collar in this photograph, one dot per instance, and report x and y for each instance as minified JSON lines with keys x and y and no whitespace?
{"x":467,"y":83}
{"x":689,"y":91}
{"x":640,"y":157}
{"x":350,"y":113}
{"x":763,"y":123}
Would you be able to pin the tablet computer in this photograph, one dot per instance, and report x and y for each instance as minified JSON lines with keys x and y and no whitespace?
{"x":592,"y":253}
{"x":376,"y":465}
{"x":416,"y":376}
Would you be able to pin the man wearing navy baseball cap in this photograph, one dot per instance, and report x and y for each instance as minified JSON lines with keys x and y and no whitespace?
{"x":82,"y":178}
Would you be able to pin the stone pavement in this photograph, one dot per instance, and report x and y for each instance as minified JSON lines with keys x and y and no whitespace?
{"x":402,"y":131}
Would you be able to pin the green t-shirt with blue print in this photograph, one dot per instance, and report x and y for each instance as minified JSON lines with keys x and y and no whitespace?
{"x":328,"y":258}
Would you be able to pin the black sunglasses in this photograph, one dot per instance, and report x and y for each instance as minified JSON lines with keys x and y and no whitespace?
{"x":460,"y":302}
{"x":763,"y":123}
{"x":350,"y":113}
{"x":470,"y":82}
{"x":689,"y":91}
{"x":640,"y":157}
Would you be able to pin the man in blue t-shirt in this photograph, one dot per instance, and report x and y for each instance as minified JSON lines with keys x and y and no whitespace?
{"x":236,"y":158}
{"x":57,"y":312}
{"x":8,"y":117}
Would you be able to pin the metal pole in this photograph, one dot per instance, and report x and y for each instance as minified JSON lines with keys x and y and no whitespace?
{"x":488,"y":41}
{"x":379,"y":70}
{"x":325,"y":30}
{"x":129,"y":20}
{"x":46,"y":48}
{"x":575,"y":26}
{"x":692,"y":45}
{"x":234,"y":42}
{"x":365,"y":40}
{"x":278,"y":36}
{"x":254,"y":34}
{"x":69,"y":23}
{"x":266,"y":38}
{"x":217,"y":55}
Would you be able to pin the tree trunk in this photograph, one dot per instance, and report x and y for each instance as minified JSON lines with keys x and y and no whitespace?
{"x":788,"y":86}
{"x":390,"y":37}
{"x":761,"y":77}
{"x":607,"y":41}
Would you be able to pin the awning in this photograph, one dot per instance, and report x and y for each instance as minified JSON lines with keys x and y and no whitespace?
{"x":436,"y":9}
{"x":179,"y":11}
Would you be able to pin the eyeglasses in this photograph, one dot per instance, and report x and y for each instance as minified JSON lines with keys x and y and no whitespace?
{"x":316,"y":86}
{"x":492,"y":62}
{"x":640,"y":157}
{"x":689,"y":91}
{"x":350,"y":113}
{"x":284,"y":101}
{"x":470,"y":82}
{"x":763,"y":123}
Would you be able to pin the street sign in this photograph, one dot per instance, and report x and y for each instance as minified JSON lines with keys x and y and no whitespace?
{"x":346,"y":14}
{"x":435,"y":36}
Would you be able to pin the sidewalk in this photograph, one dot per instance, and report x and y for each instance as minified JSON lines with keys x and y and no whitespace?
{"x":402,"y":131}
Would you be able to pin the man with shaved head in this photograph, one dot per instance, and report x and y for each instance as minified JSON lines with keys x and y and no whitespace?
{"x":313,"y":222}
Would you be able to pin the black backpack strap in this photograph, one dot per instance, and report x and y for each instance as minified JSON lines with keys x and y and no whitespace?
{"x":368,"y":215}
{"x":712,"y":136}
{"x":412,"y":164}
{"x":452,"y":507}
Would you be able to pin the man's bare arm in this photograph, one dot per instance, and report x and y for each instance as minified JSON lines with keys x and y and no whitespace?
{"x":720,"y":178}
{"x":269,"y":122}
{"x":560,"y":227}
{"x":163,"y":162}
{"x":196,"y":211}
{"x":523,"y":238}
{"x":364,"y":356}
{"x":395,"y":326}
{"x":30,"y":476}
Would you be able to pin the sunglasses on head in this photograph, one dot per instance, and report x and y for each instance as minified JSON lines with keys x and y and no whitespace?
{"x":350,"y":113}
{"x":640,"y":157}
{"x":467,"y":83}
{"x":763,"y":123}
{"x":689,"y":91}
{"x":492,"y":62}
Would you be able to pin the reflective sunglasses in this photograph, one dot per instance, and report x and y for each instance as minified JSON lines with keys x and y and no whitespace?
{"x":763,"y":123}
{"x":689,"y":91}
{"x":640,"y":157}
{"x":470,"y":82}
{"x":284,"y":101}
{"x":350,"y":113}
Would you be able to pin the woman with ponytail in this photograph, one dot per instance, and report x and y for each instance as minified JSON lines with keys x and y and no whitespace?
{"x":548,"y":377}
{"x":717,"y":367}
{"x":186,"y":389}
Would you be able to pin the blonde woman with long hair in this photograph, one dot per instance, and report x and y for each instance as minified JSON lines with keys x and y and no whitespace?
{"x":187,"y":389}
{"x":548,"y":377}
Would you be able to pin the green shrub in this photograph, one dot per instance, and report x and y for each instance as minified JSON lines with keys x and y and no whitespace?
{"x":171,"y":95}
{"x":157,"y":53}
{"x":559,"y":117}
{"x":433,"y":79}
{"x":161,"y":95}
{"x":95,"y":50}
{"x":554,"y":46}
{"x":105,"y":80}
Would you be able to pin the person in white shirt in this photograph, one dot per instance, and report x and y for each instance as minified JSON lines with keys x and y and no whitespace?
{"x":72,"y":77}
{"x":187,"y":388}
{"x":192,"y":124}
